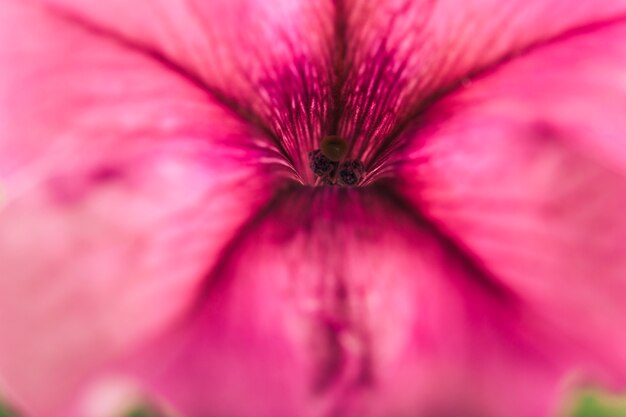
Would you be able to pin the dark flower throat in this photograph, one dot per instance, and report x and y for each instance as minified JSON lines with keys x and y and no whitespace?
{"x":330,"y":166}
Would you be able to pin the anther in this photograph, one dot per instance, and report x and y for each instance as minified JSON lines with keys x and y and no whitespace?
{"x":321,"y":165}
{"x":350,"y":173}
{"x":329,"y":165}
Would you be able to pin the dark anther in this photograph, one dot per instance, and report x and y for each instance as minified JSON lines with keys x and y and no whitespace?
{"x":321,"y":165}
{"x":330,"y":172}
{"x":350,"y":173}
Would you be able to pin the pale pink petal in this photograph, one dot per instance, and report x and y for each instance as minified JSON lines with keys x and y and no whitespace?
{"x":121,"y":183}
{"x":342,"y":303}
{"x":526,"y":169}
{"x":271,"y":59}
{"x":128,"y":182}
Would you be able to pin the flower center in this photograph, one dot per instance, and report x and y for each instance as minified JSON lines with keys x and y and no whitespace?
{"x":329,"y":165}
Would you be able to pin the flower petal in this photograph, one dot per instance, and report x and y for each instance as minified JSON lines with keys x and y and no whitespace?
{"x":340,"y":302}
{"x":526,"y":168}
{"x":121,"y":183}
{"x":402,"y":55}
{"x":269,"y":59}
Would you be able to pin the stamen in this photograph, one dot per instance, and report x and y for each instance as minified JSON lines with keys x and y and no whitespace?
{"x":321,"y":165}
{"x":328,"y":163}
{"x":350,"y":173}
{"x":347,"y":174}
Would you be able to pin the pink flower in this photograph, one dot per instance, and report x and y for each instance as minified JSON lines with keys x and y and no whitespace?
{"x":161,"y":223}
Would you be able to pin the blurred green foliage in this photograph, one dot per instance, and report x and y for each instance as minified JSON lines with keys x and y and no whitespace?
{"x":6,"y":412}
{"x":595,"y":404}
{"x":140,"y":412}
{"x":135,"y":412}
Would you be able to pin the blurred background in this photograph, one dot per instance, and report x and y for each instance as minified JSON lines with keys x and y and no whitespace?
{"x":586,"y":404}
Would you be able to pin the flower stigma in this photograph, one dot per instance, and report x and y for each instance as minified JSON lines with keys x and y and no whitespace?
{"x":334,"y":148}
